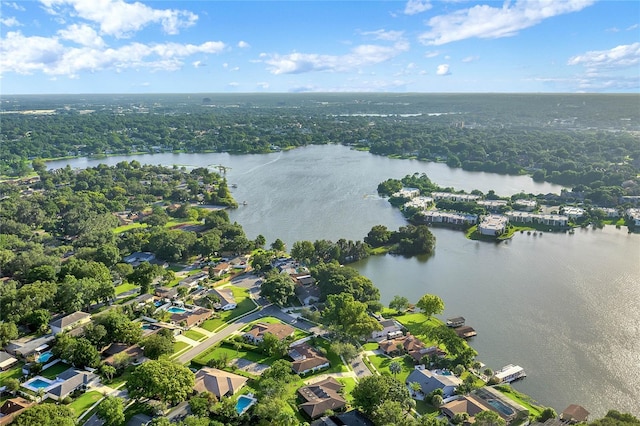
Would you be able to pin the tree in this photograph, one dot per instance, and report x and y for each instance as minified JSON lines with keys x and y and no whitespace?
{"x":303,"y":251}
{"x":277,"y":288}
{"x":162,"y":380}
{"x":415,"y":388}
{"x":201,"y":404}
{"x":460,"y":418}
{"x":157,"y":345}
{"x":399,"y":303}
{"x":144,"y":275}
{"x":84,"y":354}
{"x":8,"y":331}
{"x":436,"y":400}
{"x":372,"y":391}
{"x":348,"y":317}
{"x":46,"y":415}
{"x":275,"y":411}
{"x":395,"y":367}
{"x":272,"y":345}
{"x":489,"y":418}
{"x":280,"y":371}
{"x":261,"y":260}
{"x":109,"y":254}
{"x":278,"y":245}
{"x":391,"y":413}
{"x":546,"y":414}
{"x":107,"y":371}
{"x":12,"y":384}
{"x":344,"y":349}
{"x":378,"y":236}
{"x":430,"y":305}
{"x":111,"y":411}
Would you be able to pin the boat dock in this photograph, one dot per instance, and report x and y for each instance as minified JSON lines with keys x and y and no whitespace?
{"x":510,"y":373}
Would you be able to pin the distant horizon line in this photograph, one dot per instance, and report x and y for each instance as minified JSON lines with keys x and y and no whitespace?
{"x":316,"y":93}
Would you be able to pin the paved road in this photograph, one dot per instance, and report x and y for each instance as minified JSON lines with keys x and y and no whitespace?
{"x":360,"y":368}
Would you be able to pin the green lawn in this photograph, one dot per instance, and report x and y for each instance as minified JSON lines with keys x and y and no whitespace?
{"x":371,"y":346}
{"x":227,"y":349}
{"x":124,"y":228}
{"x":419,"y":325}
{"x":336,"y":363}
{"x":86,"y":400}
{"x":54,"y":370}
{"x":180,"y":346}
{"x":194,"y":335}
{"x":245,"y":304}
{"x":12,"y":373}
{"x":423,"y":408}
{"x":525,"y":400}
{"x":121,"y":379}
{"x":125,"y":287}
{"x":349,"y":384}
{"x":382,"y":362}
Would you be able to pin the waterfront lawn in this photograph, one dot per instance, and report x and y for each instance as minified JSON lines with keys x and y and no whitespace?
{"x":122,"y":288}
{"x":84,"y":401}
{"x":478,"y":382}
{"x":420,"y":325}
{"x":525,"y":400}
{"x":194,"y":335}
{"x":53,"y":371}
{"x":245,"y":304}
{"x":382,"y":362}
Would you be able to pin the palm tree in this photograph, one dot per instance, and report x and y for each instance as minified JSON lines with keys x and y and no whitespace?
{"x":415,"y":387}
{"x":395,"y":367}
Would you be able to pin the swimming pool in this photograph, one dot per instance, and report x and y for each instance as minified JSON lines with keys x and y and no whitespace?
{"x":243,"y":404}
{"x":44,"y":357}
{"x":37,"y":383}
{"x":501,"y":407}
{"x":175,"y":310}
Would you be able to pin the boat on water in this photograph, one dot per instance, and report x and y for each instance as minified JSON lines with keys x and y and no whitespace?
{"x":244,"y":203}
{"x":455,"y":322}
{"x":510,"y":373}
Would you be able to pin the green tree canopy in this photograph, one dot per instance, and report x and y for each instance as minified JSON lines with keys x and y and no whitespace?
{"x":163,"y":380}
{"x":430,"y":305}
{"x":111,"y":411}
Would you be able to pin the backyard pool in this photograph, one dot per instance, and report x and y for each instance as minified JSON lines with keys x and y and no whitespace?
{"x":243,"y":404}
{"x":37,"y":383}
{"x":175,"y":310}
{"x":501,"y":407}
{"x":44,"y":357}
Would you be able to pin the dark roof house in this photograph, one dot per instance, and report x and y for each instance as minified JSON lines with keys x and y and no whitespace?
{"x":320,"y":397}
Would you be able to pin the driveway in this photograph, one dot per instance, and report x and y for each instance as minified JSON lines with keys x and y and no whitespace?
{"x":359,"y":367}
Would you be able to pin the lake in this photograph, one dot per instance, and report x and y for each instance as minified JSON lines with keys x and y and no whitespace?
{"x":565,"y":307}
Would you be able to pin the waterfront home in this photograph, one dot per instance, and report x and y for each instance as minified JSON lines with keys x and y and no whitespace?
{"x":634,"y":215}
{"x":493,"y":225}
{"x":257,"y":332}
{"x":450,"y":196}
{"x":227,"y":301}
{"x":574,"y":414}
{"x":408,"y":344}
{"x":525,"y":205}
{"x":452,"y":218}
{"x":430,"y":381}
{"x":407,"y":193}
{"x":572,"y":212}
{"x":7,"y":361}
{"x":509,"y":373}
{"x":218,"y":382}
{"x":554,"y":220}
{"x":466,"y":404}
{"x":390,"y":329}
{"x":320,"y":397}
{"x":492,"y":205}
{"x":69,"y":322}
{"x":306,"y":289}
{"x":486,"y":399}
{"x":609,"y":212}
{"x":307,"y":359}
{"x":420,"y":202}
{"x":11,"y":408}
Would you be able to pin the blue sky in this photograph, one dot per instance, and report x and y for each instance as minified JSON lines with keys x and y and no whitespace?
{"x":123,"y":46}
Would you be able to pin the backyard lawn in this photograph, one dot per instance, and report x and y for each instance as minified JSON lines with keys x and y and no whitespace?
{"x":84,"y":401}
{"x":225,"y":349}
{"x":125,"y":287}
{"x":12,"y":373}
{"x":349,"y":384}
{"x":54,"y":370}
{"x":245,"y":304}
{"x":382,"y":362}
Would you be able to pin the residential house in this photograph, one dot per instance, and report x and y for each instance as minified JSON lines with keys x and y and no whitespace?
{"x":467,"y":404}
{"x":492,"y":205}
{"x":350,"y":418}
{"x":389,"y":326}
{"x":574,"y":414}
{"x":192,"y":318}
{"x":509,"y":410}
{"x":408,"y":344}
{"x":256,"y":334}
{"x":11,"y":408}
{"x":68,"y":382}
{"x":451,"y":218}
{"x":430,"y":381}
{"x":320,"y":397}
{"x":27,"y":346}
{"x":218,"y":382}
{"x":166,"y":292}
{"x":306,"y":289}
{"x":407,"y":193}
{"x":138,"y":257}
{"x":220,"y":269}
{"x":493,"y":225}
{"x":133,"y":352}
{"x":525,"y":205}
{"x":192,"y":281}
{"x":634,"y":216}
{"x":7,"y":361}
{"x":306,"y":359}
{"x":69,"y":322}
{"x":227,"y":301}
{"x":573,"y":212}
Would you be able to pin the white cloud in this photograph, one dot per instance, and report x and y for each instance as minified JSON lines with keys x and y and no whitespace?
{"x":414,"y":7}
{"x":484,"y":21}
{"x":235,"y":69}
{"x":233,"y":84}
{"x":26,"y":55}
{"x":120,"y":19}
{"x":633,"y":27}
{"x":359,"y":56}
{"x":263,"y":85}
{"x":470,"y":59}
{"x":198,"y":64}
{"x":443,"y":69}
{"x":431,"y":54}
{"x":82,"y":34}
{"x":10,"y":22}
{"x":384,"y":35}
{"x":15,"y":6}
{"x":622,"y":56}
{"x":243,"y":44}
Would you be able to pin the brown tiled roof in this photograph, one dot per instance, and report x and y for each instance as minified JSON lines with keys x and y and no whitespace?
{"x":218,"y":382}
{"x":277,"y":329}
{"x":306,"y":358}
{"x":193,"y":317}
{"x":320,"y":397}
{"x":575,"y":412}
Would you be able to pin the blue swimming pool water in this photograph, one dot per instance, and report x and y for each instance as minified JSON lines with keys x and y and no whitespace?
{"x":175,"y":310}
{"x":244,"y":402}
{"x":500,"y":406}
{"x":38,"y":383}
{"x":44,"y":357}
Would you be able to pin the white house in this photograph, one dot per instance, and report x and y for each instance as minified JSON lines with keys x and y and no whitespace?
{"x":389,"y":326}
{"x":227,"y":301}
{"x":573,"y":212}
{"x":526,"y":205}
{"x":407,"y":193}
{"x":493,"y":225}
{"x":69,"y":321}
{"x":634,"y":215}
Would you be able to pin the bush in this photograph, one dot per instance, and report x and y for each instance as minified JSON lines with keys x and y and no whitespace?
{"x":67,"y":400}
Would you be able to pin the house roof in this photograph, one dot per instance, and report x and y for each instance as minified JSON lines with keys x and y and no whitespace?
{"x":575,"y":412}
{"x":165,"y":291}
{"x":133,"y":351}
{"x":70,"y":319}
{"x":430,"y":381}
{"x":390,"y":323}
{"x":192,"y":317}
{"x":467,"y":404}
{"x":13,"y":405}
{"x":306,"y":358}
{"x":218,"y":382}
{"x":350,"y":418}
{"x":6,"y":359}
{"x":225,"y":296}
{"x":277,"y":329}
{"x":72,"y":379}
{"x":321,"y":396}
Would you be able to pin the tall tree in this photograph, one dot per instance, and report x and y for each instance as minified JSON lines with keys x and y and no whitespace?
{"x":430,"y":305}
{"x":164,"y":380}
{"x":46,"y":415}
{"x":111,"y":411}
{"x":348,"y":317}
{"x":372,"y":391}
{"x":277,"y":288}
